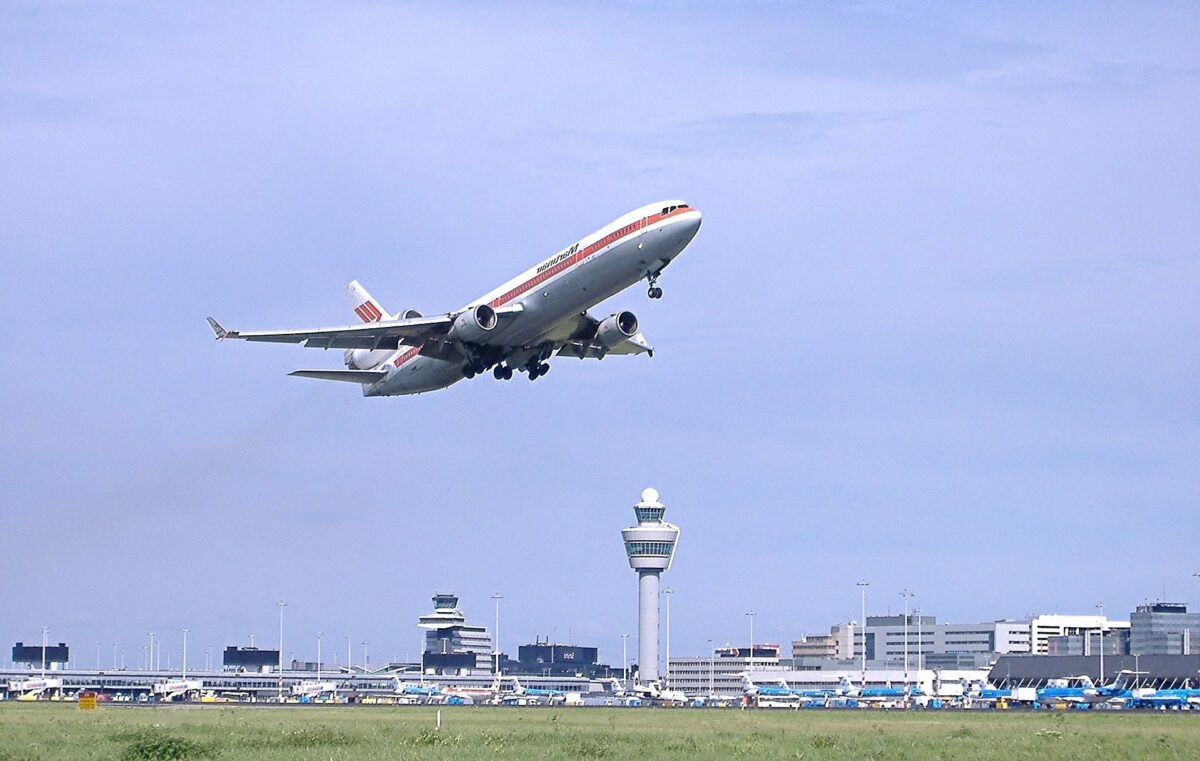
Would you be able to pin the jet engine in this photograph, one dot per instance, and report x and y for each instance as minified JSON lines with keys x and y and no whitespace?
{"x":365,"y":359}
{"x":617,"y":328}
{"x":472,"y":326}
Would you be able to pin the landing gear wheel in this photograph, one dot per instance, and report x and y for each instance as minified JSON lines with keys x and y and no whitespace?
{"x":533,"y":373}
{"x":468,"y":372}
{"x":655,"y":292}
{"x":498,"y":373}
{"x":543,"y":368}
{"x":508,"y":371}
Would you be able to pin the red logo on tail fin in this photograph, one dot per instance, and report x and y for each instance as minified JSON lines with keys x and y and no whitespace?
{"x":368,"y":312}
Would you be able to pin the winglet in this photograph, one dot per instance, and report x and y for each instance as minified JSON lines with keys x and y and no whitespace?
{"x":217,"y":330}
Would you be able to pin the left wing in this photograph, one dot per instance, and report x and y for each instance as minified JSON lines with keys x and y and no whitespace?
{"x":582,"y":340}
{"x":592,"y":350}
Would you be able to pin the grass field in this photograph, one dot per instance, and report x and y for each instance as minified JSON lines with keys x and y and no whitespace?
{"x":49,"y":731}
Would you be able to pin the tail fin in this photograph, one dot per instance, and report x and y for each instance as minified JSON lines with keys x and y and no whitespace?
{"x":364,"y":304}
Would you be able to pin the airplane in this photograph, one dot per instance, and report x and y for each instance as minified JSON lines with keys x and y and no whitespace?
{"x":426,"y":690}
{"x":470,"y":695}
{"x":313,"y":690}
{"x":551,"y":697}
{"x":650,"y":692}
{"x":880,"y":694}
{"x":984,"y":692}
{"x":516,"y":327}
{"x":1181,"y":697}
{"x":782,"y":689}
{"x":1081,"y":689}
{"x":176,"y":689}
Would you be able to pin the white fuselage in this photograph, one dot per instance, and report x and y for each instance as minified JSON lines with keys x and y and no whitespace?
{"x":551,"y":293}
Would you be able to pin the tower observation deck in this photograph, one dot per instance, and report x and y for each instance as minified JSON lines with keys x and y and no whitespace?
{"x":650,"y":546}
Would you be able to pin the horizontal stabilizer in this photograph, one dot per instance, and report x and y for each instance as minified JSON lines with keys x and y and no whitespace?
{"x":348,"y":376}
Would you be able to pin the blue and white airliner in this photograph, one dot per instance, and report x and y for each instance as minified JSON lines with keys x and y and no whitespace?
{"x":516,"y":327}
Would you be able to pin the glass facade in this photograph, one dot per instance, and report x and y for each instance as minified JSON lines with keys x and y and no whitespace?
{"x":662,"y":549}
{"x":1164,"y":628}
{"x":653,"y":514}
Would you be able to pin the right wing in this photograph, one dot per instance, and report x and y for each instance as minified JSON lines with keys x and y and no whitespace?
{"x":381,"y":334}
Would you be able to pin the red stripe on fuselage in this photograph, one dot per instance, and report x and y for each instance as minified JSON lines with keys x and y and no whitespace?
{"x":414,"y":351}
{"x":582,"y":254}
{"x":564,"y":265}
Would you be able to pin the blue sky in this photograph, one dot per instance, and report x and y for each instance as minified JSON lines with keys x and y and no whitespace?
{"x":938,"y":330}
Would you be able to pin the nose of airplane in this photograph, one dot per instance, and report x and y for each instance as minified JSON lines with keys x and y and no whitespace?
{"x":689,"y":224}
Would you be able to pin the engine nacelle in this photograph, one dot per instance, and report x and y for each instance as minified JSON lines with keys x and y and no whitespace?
{"x":473,"y":325}
{"x":617,"y":328}
{"x":365,"y":359}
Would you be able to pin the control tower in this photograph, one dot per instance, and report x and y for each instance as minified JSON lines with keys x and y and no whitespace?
{"x":650,"y":546}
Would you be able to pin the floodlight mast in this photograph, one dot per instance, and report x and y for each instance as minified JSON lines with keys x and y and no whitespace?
{"x":862,"y":586}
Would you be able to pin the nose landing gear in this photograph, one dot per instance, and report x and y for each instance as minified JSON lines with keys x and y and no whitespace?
{"x":653,"y":291}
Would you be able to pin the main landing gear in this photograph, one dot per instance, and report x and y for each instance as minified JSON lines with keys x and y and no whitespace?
{"x":473,"y":368}
{"x":502,"y":372}
{"x":654,"y":291}
{"x":537,"y":370}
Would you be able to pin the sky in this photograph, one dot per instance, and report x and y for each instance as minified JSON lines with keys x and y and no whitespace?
{"x":938,"y":330}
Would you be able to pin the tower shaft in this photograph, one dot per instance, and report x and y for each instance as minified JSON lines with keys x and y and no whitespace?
{"x":648,"y":584}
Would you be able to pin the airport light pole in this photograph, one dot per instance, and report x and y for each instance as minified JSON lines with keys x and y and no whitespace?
{"x":319,"y":635}
{"x":366,"y":658}
{"x":185,"y":633}
{"x":150,"y":660}
{"x":667,"y":592}
{"x":45,"y":634}
{"x":497,"y":597}
{"x":750,"y":615}
{"x":282,"y":605}
{"x":906,"y":595}
{"x":208,"y":658}
{"x":98,"y":655}
{"x":114,"y":660}
{"x":625,"y":659}
{"x":1101,"y":607}
{"x":862,"y":625}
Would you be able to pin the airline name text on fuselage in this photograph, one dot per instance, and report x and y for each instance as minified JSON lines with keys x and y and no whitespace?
{"x":556,"y":259}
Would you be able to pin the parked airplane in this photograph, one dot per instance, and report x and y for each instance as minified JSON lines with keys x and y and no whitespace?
{"x":470,"y":695}
{"x":426,"y":690}
{"x":782,"y":689}
{"x":517,"y":326}
{"x":1174,"y":698}
{"x":1081,"y":689}
{"x":550,"y":696}
{"x":881,"y":694}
